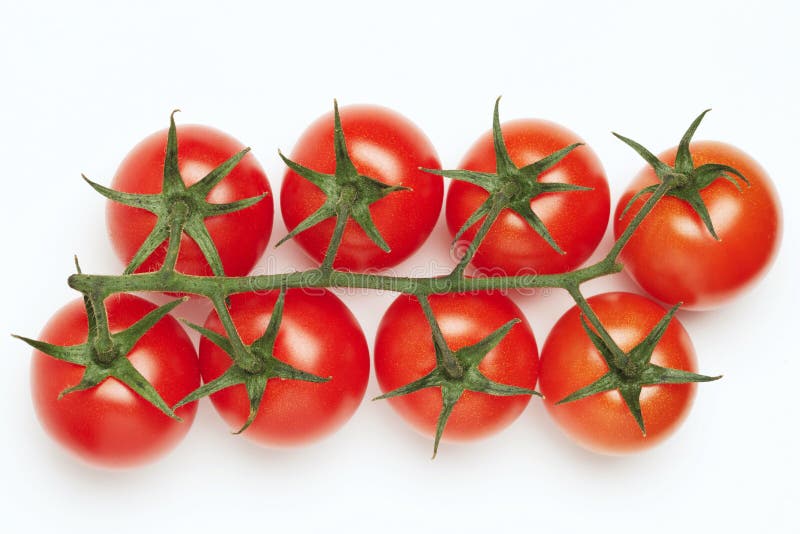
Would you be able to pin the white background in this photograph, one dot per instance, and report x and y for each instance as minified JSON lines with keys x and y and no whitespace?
{"x":81,"y":84}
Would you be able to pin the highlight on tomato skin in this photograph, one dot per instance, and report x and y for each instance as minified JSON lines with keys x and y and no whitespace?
{"x":111,"y":426}
{"x":569,"y":361}
{"x":576,"y":220}
{"x":404,"y":352}
{"x":383,"y":145}
{"x":673,"y":257}
{"x":240,"y":237}
{"x":319,"y":335}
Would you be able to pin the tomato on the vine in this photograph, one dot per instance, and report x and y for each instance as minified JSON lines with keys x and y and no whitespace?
{"x":570,"y":361}
{"x":404,"y":352}
{"x":110,"y":425}
{"x":317,"y":335}
{"x":576,"y":220}
{"x":387,"y":147}
{"x":673,"y":256}
{"x":240,"y":237}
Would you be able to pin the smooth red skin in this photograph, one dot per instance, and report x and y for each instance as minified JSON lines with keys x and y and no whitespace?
{"x":385,"y":146}
{"x":110,"y":425}
{"x":577,"y":219}
{"x":602,"y":423}
{"x":240,"y":237}
{"x":319,"y":335}
{"x":404,"y":353}
{"x":674,"y":258}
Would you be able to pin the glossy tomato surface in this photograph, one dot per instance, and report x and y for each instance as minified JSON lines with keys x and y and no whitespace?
{"x":576,"y":220}
{"x":404,"y":352}
{"x":602,"y":422}
{"x":672,"y":255}
{"x":319,"y":335}
{"x":385,"y":146}
{"x":110,"y":425}
{"x":240,"y":237}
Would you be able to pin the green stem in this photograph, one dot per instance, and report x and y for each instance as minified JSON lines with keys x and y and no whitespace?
{"x":449,"y":361}
{"x":240,"y":354}
{"x":662,"y":190}
{"x":488,"y":221}
{"x":178,"y":214}
{"x":336,"y":240}
{"x":209,"y":286}
{"x":621,"y":360}
{"x":173,"y":248}
{"x":103,"y":344}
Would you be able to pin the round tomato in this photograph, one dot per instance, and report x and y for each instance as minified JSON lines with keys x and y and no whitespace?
{"x":110,"y":425}
{"x":404,"y":352}
{"x":603,"y":422}
{"x":672,"y":255}
{"x":385,"y":146}
{"x":576,"y":219}
{"x":240,"y":237}
{"x":318,"y":335}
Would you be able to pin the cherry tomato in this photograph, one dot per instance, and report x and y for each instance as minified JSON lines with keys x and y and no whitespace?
{"x":318,"y":335}
{"x":404,"y":352}
{"x":385,"y":146}
{"x":240,"y":237}
{"x":672,"y":255}
{"x":110,"y":425}
{"x":603,"y":422}
{"x":576,"y":219}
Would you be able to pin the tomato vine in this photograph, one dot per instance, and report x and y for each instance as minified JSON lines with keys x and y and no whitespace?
{"x":349,"y":194}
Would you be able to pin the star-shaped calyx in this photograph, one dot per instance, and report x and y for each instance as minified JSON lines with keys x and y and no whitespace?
{"x":629,"y":372}
{"x":511,"y":187}
{"x":104,"y":355}
{"x":688,"y":181}
{"x":348,"y":195}
{"x":179,"y":208}
{"x":253,"y":365}
{"x":457,"y":372}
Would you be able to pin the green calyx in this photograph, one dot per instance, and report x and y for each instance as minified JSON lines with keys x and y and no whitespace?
{"x":348,"y":195}
{"x":104,"y":355}
{"x":686,"y":181}
{"x":253,"y":365}
{"x":180,"y":208}
{"x":457,"y":372}
{"x":510,"y":187}
{"x":629,"y":372}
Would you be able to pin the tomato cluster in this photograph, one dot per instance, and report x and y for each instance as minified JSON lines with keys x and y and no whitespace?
{"x":115,"y":380}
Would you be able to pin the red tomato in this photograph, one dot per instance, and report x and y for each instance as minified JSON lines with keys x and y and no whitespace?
{"x":673,"y":256}
{"x":404,"y":352}
{"x":110,"y":425}
{"x":319,"y":335}
{"x":240,"y":237}
{"x":576,"y":219}
{"x":602,"y":422}
{"x":385,"y":146}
